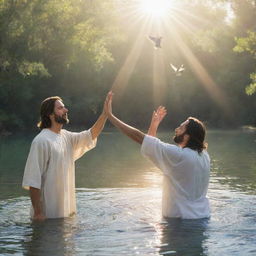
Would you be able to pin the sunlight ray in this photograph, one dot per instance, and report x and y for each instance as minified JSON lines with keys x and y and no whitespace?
{"x":188,"y":27}
{"x":127,"y":68}
{"x":159,"y":79}
{"x":155,"y":8}
{"x":212,"y":88}
{"x":159,"y":74}
{"x":182,"y":12}
{"x":131,"y":16}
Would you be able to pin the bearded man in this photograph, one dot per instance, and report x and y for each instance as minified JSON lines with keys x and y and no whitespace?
{"x":49,"y":171}
{"x":185,"y":166}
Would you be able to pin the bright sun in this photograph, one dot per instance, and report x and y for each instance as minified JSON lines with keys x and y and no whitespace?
{"x":155,"y":8}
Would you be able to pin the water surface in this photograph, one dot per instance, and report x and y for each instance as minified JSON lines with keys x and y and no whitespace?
{"x":119,"y":203}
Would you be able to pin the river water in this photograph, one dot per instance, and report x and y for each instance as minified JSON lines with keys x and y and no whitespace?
{"x":119,"y":203}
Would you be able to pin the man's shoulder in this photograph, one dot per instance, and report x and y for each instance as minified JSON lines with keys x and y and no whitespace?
{"x":206,"y":154}
{"x":67,"y":133}
{"x":41,"y":138}
{"x":194,"y":153}
{"x":151,"y":140}
{"x":162,"y":145}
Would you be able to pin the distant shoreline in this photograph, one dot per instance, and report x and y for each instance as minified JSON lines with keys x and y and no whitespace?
{"x":5,"y":134}
{"x":248,"y":128}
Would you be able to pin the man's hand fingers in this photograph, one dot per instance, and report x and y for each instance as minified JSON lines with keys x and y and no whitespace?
{"x":161,"y":109}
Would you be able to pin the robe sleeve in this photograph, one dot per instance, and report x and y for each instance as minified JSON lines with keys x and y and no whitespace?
{"x":36,"y":165}
{"x":82,"y":142}
{"x":160,"y":153}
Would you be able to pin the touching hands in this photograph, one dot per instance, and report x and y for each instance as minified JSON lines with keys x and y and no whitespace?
{"x":108,"y":104}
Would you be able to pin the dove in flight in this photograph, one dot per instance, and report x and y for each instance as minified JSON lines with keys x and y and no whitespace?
{"x":156,"y":41}
{"x":178,"y":71}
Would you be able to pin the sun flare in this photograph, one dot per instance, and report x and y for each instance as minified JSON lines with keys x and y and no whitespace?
{"x":155,"y":8}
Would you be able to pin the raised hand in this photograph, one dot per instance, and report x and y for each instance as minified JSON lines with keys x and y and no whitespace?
{"x":128,"y":130}
{"x":108,"y":104}
{"x":159,"y":115}
{"x":157,"y":118}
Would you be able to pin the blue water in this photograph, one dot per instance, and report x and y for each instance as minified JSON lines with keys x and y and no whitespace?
{"x":119,"y":205}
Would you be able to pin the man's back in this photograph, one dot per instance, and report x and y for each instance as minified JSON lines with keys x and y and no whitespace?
{"x":192,"y":173}
{"x":186,"y":178}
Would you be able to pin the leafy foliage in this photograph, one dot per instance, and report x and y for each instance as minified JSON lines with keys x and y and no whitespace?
{"x":76,"y":49}
{"x":248,"y":44}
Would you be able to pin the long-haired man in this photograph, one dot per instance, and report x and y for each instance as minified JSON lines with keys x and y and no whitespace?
{"x":49,"y":171}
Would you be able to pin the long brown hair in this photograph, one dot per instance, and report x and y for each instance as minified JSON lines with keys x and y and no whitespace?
{"x":47,"y":108}
{"x":196,"y":131}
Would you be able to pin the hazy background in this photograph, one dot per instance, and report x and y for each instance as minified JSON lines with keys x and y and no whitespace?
{"x":80,"y":49}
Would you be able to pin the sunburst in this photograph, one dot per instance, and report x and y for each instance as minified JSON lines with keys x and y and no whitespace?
{"x":155,"y":8}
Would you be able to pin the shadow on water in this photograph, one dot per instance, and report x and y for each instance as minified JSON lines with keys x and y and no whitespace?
{"x":183,"y":237}
{"x":51,"y":237}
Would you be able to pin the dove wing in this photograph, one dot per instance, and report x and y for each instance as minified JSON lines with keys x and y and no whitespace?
{"x":181,"y":68}
{"x":152,"y":38}
{"x":173,"y":67}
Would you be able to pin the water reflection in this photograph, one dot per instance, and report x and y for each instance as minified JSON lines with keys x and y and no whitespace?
{"x":127,"y":221}
{"x":117,"y":162}
{"x":233,"y":161}
{"x":51,"y":237}
{"x":119,"y":204}
{"x":183,"y":237}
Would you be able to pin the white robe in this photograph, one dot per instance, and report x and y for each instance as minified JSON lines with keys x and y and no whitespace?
{"x":186,"y":178}
{"x":50,"y":167}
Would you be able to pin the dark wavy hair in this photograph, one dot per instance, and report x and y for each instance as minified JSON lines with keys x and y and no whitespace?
{"x":47,"y":108}
{"x":196,"y":131}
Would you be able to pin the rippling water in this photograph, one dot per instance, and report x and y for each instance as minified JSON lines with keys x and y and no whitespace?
{"x":119,"y":205}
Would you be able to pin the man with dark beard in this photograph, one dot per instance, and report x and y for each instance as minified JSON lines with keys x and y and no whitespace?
{"x":186,"y":167}
{"x":49,"y":172}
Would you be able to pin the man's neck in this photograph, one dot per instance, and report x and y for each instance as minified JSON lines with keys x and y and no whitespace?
{"x":56,"y":127}
{"x":182,"y":144}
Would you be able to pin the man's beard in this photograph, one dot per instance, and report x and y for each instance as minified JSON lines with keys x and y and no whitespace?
{"x":179,"y":138}
{"x":61,"y":119}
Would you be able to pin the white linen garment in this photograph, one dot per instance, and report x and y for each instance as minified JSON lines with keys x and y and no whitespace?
{"x":185,"y":181}
{"x":50,"y":167}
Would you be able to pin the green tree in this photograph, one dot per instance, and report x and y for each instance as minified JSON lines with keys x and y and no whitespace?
{"x":248,"y":44}
{"x":49,"y":45}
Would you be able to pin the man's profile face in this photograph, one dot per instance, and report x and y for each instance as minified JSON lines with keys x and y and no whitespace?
{"x":60,"y":113}
{"x":180,"y":132}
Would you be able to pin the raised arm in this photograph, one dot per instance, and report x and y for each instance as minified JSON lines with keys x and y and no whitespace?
{"x":128,"y":130}
{"x":157,"y":118}
{"x":99,"y":125}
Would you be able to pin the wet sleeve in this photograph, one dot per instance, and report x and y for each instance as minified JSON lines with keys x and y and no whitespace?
{"x":36,"y":165}
{"x":82,"y":142}
{"x":163,"y":155}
